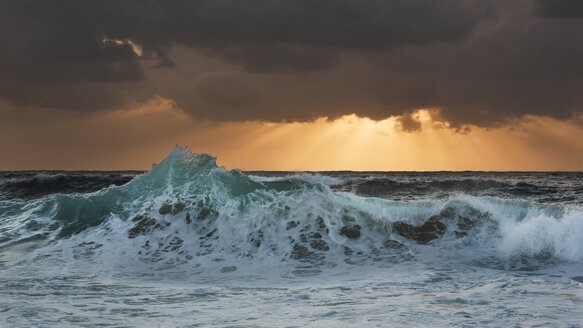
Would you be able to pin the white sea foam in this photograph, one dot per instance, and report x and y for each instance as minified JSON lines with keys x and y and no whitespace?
{"x":543,"y":235}
{"x":308,"y":177}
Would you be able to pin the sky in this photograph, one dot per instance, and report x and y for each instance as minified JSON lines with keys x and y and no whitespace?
{"x":293,"y":84}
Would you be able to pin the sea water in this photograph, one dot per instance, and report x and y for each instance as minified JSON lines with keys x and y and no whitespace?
{"x":190,"y":244}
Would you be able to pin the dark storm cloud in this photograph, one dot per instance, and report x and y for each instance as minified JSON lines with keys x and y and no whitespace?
{"x":49,"y":42}
{"x":561,"y":8}
{"x":343,"y":23}
{"x":62,"y":42}
{"x":479,"y":61}
{"x":226,"y":91}
{"x":277,"y":58}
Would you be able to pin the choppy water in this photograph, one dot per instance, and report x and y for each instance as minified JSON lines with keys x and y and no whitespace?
{"x":191,"y":244}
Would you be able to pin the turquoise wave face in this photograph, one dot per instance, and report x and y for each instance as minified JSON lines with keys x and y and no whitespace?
{"x":188,"y":213}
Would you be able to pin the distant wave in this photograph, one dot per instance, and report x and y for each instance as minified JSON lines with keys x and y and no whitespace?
{"x":30,"y":184}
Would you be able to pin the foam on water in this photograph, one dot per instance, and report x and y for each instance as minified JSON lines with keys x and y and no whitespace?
{"x":308,"y":177}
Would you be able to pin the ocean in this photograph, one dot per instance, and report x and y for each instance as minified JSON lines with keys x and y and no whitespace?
{"x":190,"y":244}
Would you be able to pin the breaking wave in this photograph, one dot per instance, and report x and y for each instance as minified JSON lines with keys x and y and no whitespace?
{"x":188,"y":213}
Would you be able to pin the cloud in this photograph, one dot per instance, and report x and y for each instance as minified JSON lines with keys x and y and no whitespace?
{"x":561,"y":8}
{"x":408,"y":123}
{"x":479,"y":62}
{"x":225,"y":90}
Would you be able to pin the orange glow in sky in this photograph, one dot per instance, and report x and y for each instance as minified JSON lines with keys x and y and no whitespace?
{"x":136,"y":138}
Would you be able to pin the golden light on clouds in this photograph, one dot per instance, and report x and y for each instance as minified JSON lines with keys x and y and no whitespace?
{"x":138,"y":50}
{"x":136,"y":138}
